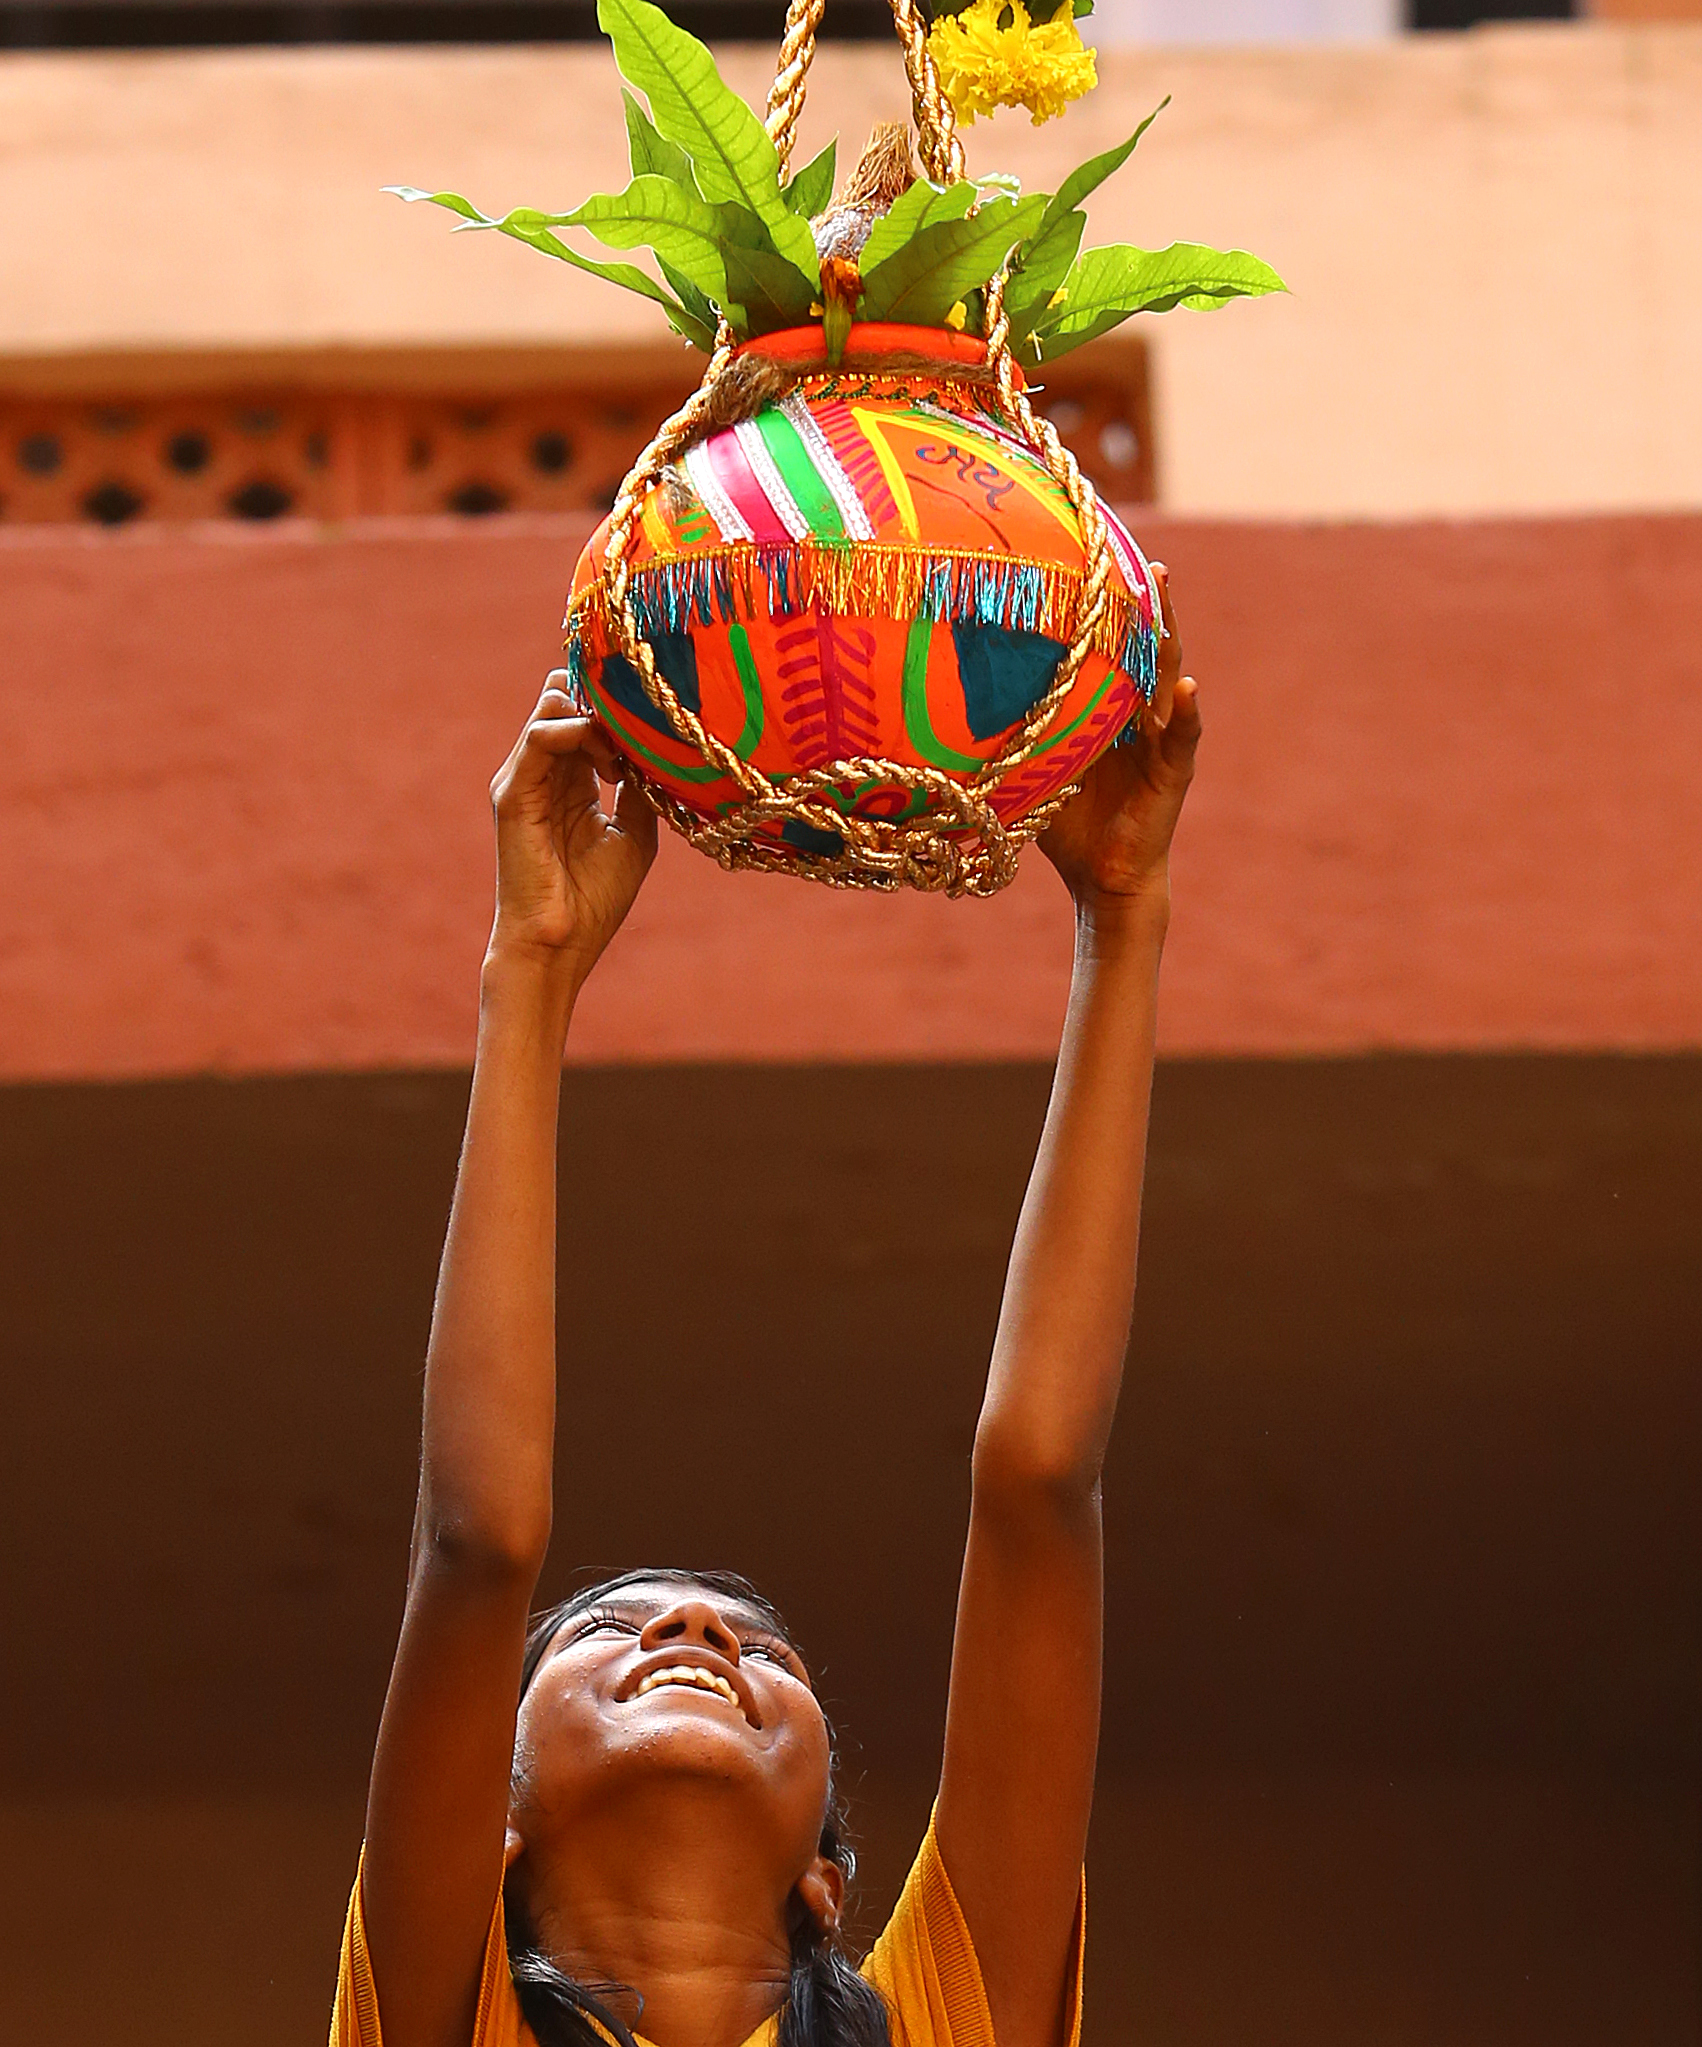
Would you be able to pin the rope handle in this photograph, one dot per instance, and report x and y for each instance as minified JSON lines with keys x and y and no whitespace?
{"x":936,"y":120}
{"x":877,"y":852}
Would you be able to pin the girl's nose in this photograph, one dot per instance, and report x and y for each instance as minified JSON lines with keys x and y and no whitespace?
{"x":691,"y":1620}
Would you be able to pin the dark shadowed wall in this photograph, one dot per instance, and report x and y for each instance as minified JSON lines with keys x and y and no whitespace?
{"x":1400,"y":1737}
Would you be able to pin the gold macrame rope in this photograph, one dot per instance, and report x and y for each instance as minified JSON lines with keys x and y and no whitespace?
{"x":786,"y":94}
{"x":962,"y":846}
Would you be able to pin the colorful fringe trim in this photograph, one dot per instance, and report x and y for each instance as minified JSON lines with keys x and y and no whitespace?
{"x":730,"y":585}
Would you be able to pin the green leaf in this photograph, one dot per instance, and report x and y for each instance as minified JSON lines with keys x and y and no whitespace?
{"x":692,"y":330}
{"x":769,"y":291}
{"x":627,"y":275}
{"x":453,"y":200}
{"x":731,"y":155}
{"x":918,"y":206}
{"x":724,"y":250}
{"x":696,"y":303}
{"x":657,"y":213}
{"x":945,"y":261}
{"x":526,"y":224}
{"x":1107,"y":285}
{"x":1041,"y":265}
{"x":1088,"y":177}
{"x":652,"y":155}
{"x":809,"y":192}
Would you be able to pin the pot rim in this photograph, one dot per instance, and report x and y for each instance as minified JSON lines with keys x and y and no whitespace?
{"x":808,"y":345}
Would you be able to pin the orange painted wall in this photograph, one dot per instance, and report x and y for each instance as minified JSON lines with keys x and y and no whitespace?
{"x":1448,"y":799}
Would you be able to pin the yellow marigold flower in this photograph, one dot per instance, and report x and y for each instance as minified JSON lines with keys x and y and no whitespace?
{"x":1039,"y":65}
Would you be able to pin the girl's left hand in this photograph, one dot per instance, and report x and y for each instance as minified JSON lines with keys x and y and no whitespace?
{"x":1111,"y":844}
{"x":567,"y":870}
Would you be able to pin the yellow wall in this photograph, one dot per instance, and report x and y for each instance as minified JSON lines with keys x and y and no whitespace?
{"x":1490,"y":237}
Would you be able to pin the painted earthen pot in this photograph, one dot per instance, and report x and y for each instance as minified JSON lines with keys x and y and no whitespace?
{"x":875,"y":567}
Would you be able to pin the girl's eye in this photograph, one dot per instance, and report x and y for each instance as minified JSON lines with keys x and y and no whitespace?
{"x":771,"y":1650}
{"x":601,"y":1621}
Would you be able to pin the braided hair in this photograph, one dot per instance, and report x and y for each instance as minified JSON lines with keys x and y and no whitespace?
{"x":828,"y":2004}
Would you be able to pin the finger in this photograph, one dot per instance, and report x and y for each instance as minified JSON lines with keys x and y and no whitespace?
{"x":607,"y":761}
{"x":634,"y":819}
{"x":1166,"y":611}
{"x":1170,"y":641}
{"x":554,"y":700}
{"x":557,"y":695}
{"x":565,"y":735}
{"x":1176,"y":743}
{"x":547,"y":748}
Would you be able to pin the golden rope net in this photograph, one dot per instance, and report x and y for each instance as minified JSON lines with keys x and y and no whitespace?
{"x":960,"y":846}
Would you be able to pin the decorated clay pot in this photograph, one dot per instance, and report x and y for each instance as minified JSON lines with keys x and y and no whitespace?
{"x":873,"y":568}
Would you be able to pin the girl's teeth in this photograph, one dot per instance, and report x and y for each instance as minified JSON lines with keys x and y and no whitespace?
{"x":690,"y":1674}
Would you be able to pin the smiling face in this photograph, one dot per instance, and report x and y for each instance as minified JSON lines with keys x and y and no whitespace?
{"x":670,"y":1699}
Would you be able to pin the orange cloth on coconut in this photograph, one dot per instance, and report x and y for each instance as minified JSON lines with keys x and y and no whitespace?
{"x":923,"y":1965}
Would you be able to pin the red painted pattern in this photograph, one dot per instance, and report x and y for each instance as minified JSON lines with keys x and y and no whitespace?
{"x":828,"y":703}
{"x":859,"y":461}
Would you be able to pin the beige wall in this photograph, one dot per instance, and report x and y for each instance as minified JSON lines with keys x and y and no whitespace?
{"x":1490,"y":237}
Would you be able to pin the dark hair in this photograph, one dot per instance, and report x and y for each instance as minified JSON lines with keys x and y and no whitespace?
{"x":828,"y":2004}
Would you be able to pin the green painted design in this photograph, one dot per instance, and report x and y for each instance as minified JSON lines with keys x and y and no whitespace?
{"x":1087,"y":710}
{"x":918,"y":726}
{"x":607,"y":711}
{"x":751,"y":683}
{"x":914,"y":808}
{"x":799,"y":474}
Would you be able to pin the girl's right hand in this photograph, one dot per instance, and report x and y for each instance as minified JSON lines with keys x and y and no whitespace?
{"x":567,"y":870}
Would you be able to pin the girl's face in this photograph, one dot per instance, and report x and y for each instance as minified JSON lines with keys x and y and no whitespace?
{"x":669,"y":1682}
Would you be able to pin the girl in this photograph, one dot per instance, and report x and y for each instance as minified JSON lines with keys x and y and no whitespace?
{"x":623,"y":1823}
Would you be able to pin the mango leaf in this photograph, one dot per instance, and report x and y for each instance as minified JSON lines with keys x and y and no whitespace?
{"x":731,"y":155}
{"x":809,"y":192}
{"x":453,"y":200}
{"x":918,"y":206}
{"x":1088,"y":177}
{"x":524,"y":227}
{"x":1041,"y":265}
{"x":656,"y":212}
{"x":945,"y":261}
{"x":651,"y":154}
{"x":697,"y":305}
{"x":693,"y":330}
{"x":769,"y":291}
{"x":1107,"y":285}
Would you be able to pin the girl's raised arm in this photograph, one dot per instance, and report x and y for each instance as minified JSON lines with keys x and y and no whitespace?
{"x":436,"y":1811}
{"x":1022,"y":1726}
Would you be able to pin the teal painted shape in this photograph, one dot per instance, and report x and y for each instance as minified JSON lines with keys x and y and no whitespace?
{"x":809,"y":838}
{"x":676,"y":656}
{"x":1004,"y":673}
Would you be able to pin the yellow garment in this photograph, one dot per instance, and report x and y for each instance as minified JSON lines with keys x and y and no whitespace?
{"x":923,"y":1965}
